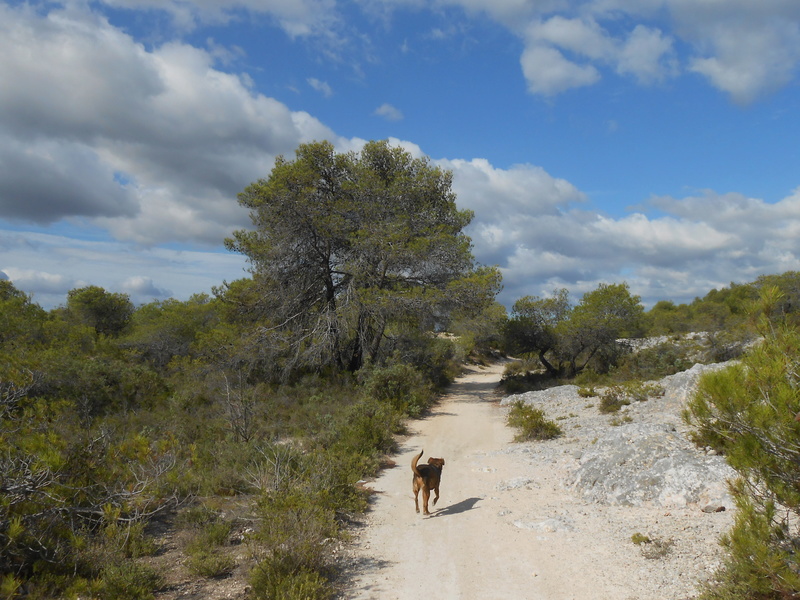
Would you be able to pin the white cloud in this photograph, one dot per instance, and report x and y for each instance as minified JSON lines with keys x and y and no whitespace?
{"x":389,"y":112}
{"x":40,"y":282}
{"x":648,"y":55}
{"x":139,"y":285}
{"x":579,"y":36}
{"x":48,"y":266}
{"x":541,"y":233}
{"x":152,"y":144}
{"x":745,"y":48}
{"x":321,"y":86}
{"x":549,"y":73}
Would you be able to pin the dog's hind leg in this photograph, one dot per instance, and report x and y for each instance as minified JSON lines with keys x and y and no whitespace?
{"x":426,"y":495}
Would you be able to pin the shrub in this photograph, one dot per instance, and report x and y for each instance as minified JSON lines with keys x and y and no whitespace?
{"x":640,"y":391}
{"x":204,"y":556}
{"x":298,"y":523}
{"x":639,"y":539}
{"x":279,"y":577}
{"x":210,"y":563}
{"x":617,"y":396}
{"x":531,"y":423}
{"x":210,"y":535}
{"x":401,"y":386}
{"x":748,"y":411}
{"x":613,"y":399}
{"x":656,"y":362}
{"x":618,"y":421}
{"x":129,"y":580}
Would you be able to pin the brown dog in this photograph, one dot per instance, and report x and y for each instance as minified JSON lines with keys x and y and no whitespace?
{"x":426,"y":478}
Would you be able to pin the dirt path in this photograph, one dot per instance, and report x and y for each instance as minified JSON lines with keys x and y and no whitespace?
{"x":505,"y":527}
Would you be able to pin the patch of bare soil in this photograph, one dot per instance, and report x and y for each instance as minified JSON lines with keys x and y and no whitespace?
{"x":506,"y":526}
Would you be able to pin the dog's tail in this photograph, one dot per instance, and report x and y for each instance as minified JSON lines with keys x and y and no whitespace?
{"x":414,"y":464}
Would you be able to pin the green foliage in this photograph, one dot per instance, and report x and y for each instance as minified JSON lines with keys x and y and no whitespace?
{"x":210,"y":563}
{"x":641,"y":391}
{"x":480,"y":336}
{"x":205,"y":556}
{"x":748,"y":412}
{"x":613,"y":399}
{"x":130,"y":581}
{"x":165,"y":330}
{"x":761,"y":561}
{"x":279,"y":577}
{"x":617,"y":396}
{"x":295,"y":532}
{"x":347,"y":246}
{"x":727,"y":309}
{"x":108,"y":313}
{"x":656,"y":362}
{"x":639,"y":539}
{"x":568,"y":340}
{"x":531,"y":423}
{"x":401,"y":386}
{"x":366,"y":431}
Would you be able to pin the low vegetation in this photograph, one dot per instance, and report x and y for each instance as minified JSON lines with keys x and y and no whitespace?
{"x":748,"y":413}
{"x":286,"y":388}
{"x":652,"y":549}
{"x":531,"y":423}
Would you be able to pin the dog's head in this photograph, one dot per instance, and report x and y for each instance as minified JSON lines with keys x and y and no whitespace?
{"x":436,"y":462}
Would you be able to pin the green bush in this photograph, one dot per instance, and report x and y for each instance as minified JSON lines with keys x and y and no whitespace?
{"x":279,"y":577}
{"x":613,"y":399}
{"x":205,"y":556}
{"x":129,"y":580}
{"x":531,"y":423}
{"x":401,"y":386}
{"x":210,"y":563}
{"x":761,"y":562}
{"x":748,"y":411}
{"x":641,"y":391}
{"x":656,"y":362}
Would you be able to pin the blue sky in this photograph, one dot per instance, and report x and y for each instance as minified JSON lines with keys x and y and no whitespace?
{"x":597,"y":141}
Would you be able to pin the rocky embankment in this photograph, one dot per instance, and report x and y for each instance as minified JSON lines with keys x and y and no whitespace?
{"x":636,"y":472}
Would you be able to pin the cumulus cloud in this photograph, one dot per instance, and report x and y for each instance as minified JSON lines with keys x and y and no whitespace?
{"x":29,"y":258}
{"x":152,"y":144}
{"x":744,"y":48}
{"x":139,"y":285}
{"x":543,"y":234}
{"x":548,"y":72}
{"x":564,"y":53}
{"x":389,"y":112}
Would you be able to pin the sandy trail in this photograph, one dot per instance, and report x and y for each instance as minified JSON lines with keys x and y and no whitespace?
{"x":471,"y":547}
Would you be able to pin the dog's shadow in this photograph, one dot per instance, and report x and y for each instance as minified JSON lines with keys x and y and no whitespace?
{"x":457,"y":508}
